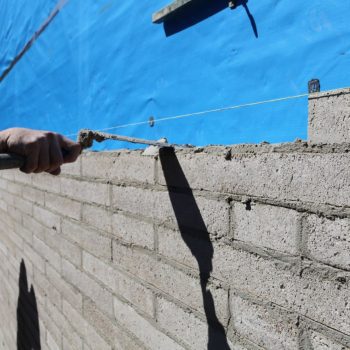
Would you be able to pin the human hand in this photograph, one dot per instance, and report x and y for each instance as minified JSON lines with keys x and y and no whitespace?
{"x":42,"y":150}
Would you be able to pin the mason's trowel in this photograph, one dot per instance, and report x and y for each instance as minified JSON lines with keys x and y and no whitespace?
{"x":86,"y":138}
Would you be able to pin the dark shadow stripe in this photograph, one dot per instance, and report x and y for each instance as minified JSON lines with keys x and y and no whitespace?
{"x":32,"y":40}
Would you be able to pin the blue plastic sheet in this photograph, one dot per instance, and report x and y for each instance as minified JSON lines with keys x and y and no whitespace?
{"x":101,"y":64}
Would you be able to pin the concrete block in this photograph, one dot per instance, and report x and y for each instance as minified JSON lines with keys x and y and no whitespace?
{"x":108,"y":329}
{"x":52,"y":345}
{"x":90,"y":336}
{"x":71,"y":252}
{"x":52,"y":295}
{"x":195,"y":212}
{"x":68,"y":345}
{"x":84,"y":191}
{"x":87,"y":286}
{"x":22,"y":178}
{"x":325,"y":298}
{"x":31,"y":255}
{"x":198,"y":213}
{"x":34,"y":195}
{"x":121,"y":166}
{"x":270,"y":327}
{"x":264,"y":277}
{"x":47,"y":218}
{"x":30,"y":224}
{"x":3,"y":205}
{"x":329,"y":116}
{"x":87,"y":239}
{"x":9,"y":198}
{"x":14,"y":213}
{"x":51,"y":256}
{"x":23,"y":232}
{"x":320,"y":342}
{"x":63,"y":206}
{"x":170,"y":280}
{"x":50,"y":326}
{"x":68,"y":292}
{"x":46,"y":182}
{"x":293,"y":176}
{"x":174,"y":246}
{"x":97,"y":216}
{"x":188,"y":328}
{"x":120,"y":283}
{"x":14,"y":189}
{"x":142,"y":328}
{"x":61,"y":321}
{"x":267,"y":226}
{"x":133,"y":200}
{"x":327,"y":240}
{"x":8,"y":174}
{"x":133,"y":230}
{"x":73,"y":169}
{"x":24,"y":206}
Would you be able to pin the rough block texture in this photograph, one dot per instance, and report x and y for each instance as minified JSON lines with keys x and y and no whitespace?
{"x":329,"y":116}
{"x":242,"y":248}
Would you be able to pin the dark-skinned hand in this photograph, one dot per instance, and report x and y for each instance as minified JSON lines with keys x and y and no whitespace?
{"x":44,"y":151}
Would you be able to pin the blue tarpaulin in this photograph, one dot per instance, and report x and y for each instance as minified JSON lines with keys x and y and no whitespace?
{"x":101,"y":64}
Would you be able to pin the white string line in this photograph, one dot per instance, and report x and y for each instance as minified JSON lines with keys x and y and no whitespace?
{"x":181,"y":116}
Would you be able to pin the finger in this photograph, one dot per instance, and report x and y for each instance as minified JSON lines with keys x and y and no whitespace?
{"x":44,"y":157}
{"x":56,"y":157}
{"x":32,"y":159}
{"x":56,"y":171}
{"x":72,"y":149}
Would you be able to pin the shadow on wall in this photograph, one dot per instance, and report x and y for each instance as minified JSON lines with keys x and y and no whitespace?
{"x":28,"y":332}
{"x":199,"y":10}
{"x":202,"y":252}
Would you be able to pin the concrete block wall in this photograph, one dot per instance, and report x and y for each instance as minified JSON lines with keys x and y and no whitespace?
{"x":243,"y":248}
{"x":329,"y":116}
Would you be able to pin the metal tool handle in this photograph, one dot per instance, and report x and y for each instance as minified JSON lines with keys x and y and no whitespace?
{"x":10,"y":161}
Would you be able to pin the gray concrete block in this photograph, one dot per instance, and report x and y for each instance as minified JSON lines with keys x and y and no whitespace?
{"x":328,"y":241}
{"x":266,"y":278}
{"x":295,"y":176}
{"x":329,"y":116}
{"x":87,"y":286}
{"x":267,"y":226}
{"x":46,"y":182}
{"x":185,"y":325}
{"x":88,"y":239}
{"x":320,"y":342}
{"x":213,"y":214}
{"x":119,"y":283}
{"x":134,"y":230}
{"x":142,"y":328}
{"x":69,"y":293}
{"x":47,"y":218}
{"x":270,"y":327}
{"x":50,"y":255}
{"x":84,"y":191}
{"x":166,"y":278}
{"x":325,"y":298}
{"x":63,"y":206}
{"x":109,"y":330}
{"x":97,"y":216}
{"x":34,"y":195}
{"x":86,"y":331}
{"x":122,"y":166}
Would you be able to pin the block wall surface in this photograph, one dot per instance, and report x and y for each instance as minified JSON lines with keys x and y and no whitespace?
{"x":329,"y":116}
{"x":243,"y":248}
